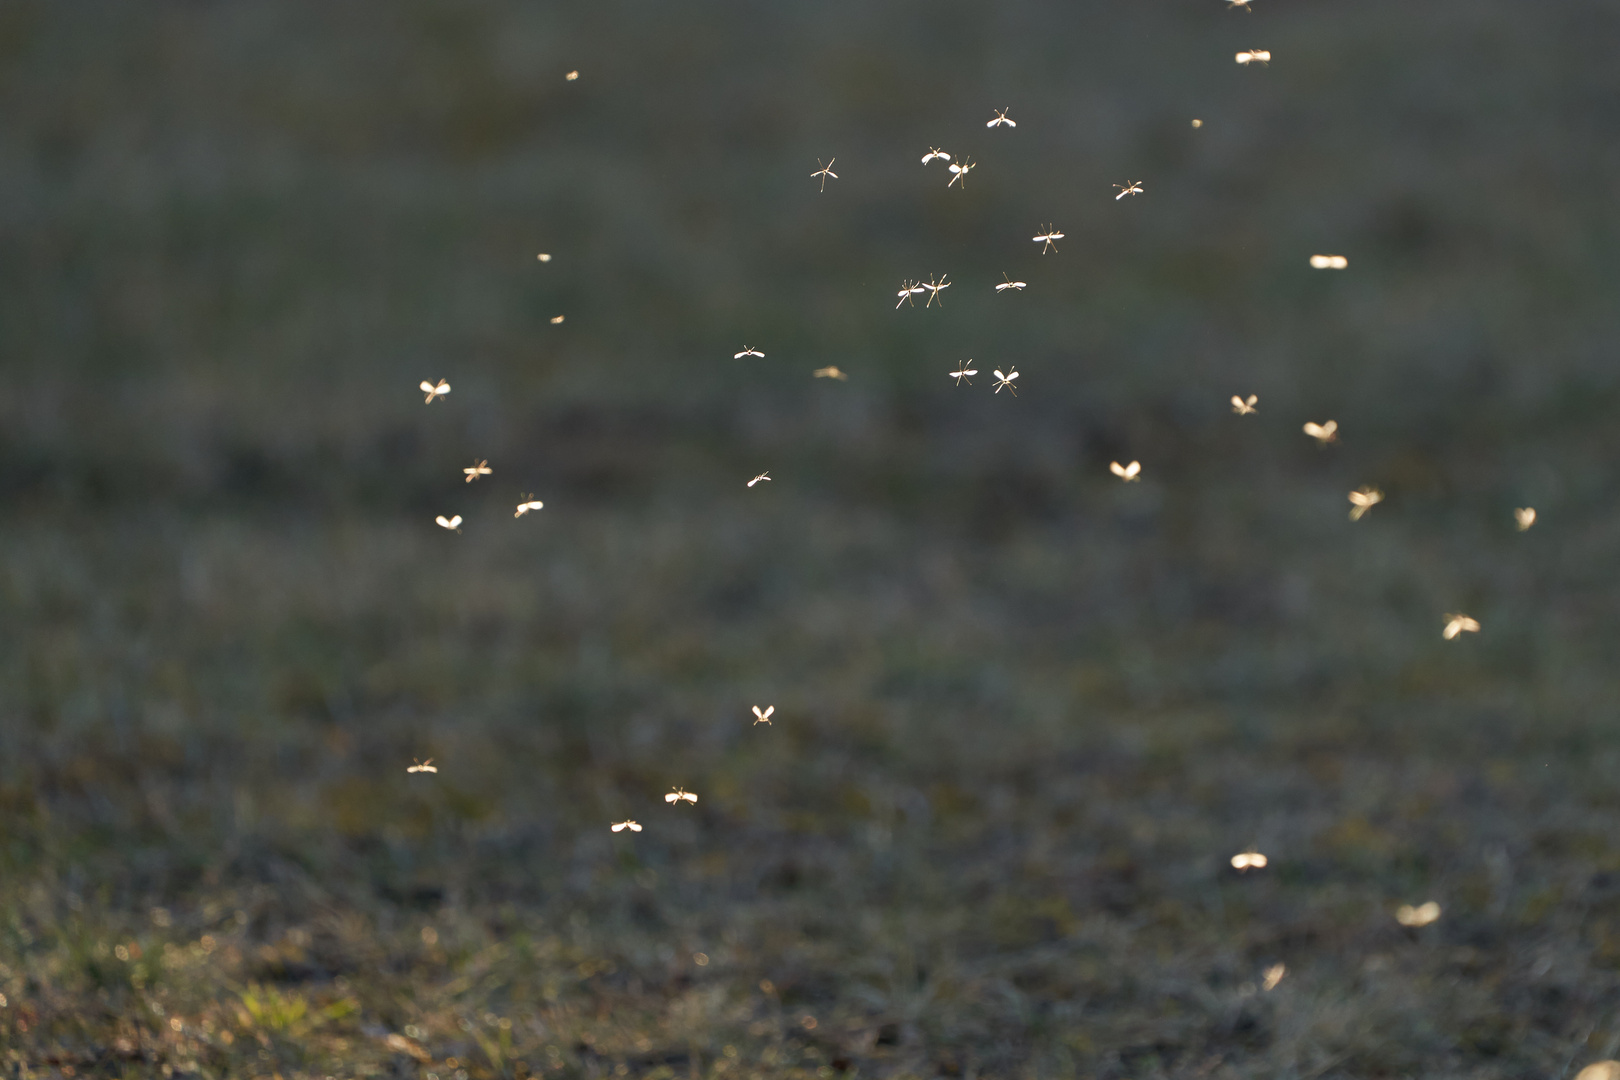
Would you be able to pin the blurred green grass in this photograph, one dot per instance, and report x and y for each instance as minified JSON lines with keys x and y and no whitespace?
{"x":1024,"y":713}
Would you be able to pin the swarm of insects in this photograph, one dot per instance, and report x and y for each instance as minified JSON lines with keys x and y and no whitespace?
{"x":451,"y":523}
{"x":1363,"y":500}
{"x":680,"y":795}
{"x":1459,"y":624}
{"x":935,"y":152}
{"x":1524,"y":517}
{"x":1001,"y":118}
{"x":529,"y":503}
{"x":1132,"y":188}
{"x":764,"y":476}
{"x":620,"y":826}
{"x":478,"y":468}
{"x":824,"y":171}
{"x":1422,"y":915}
{"x":421,"y":766}
{"x":434,"y":392}
{"x":1329,"y":262}
{"x":1244,"y":406}
{"x":1323,"y":433}
{"x":1274,"y":975}
{"x":1254,"y":56}
{"x":1006,"y":382}
{"x":1009,"y":283}
{"x":1248,"y":860}
{"x":963,"y":371}
{"x":830,"y":373}
{"x":763,"y":717}
{"x":1047,"y":239}
{"x":961,"y":169}
{"x":748,"y":350}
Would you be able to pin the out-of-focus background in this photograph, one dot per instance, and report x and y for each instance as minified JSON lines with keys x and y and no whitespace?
{"x":1025,"y":714}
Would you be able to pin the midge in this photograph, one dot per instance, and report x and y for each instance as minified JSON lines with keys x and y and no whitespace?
{"x":824,"y":171}
{"x":1363,"y":500}
{"x":453,"y":523}
{"x":764,"y":476}
{"x":680,"y":795}
{"x":1009,"y":283}
{"x":1322,"y":433}
{"x":748,"y":350}
{"x":1248,"y":860}
{"x":908,"y":289}
{"x":935,"y":288}
{"x":961,"y":169}
{"x":1127,"y":473}
{"x":529,"y":503}
{"x":1329,"y":262}
{"x":421,"y":766}
{"x":1242,"y":406}
{"x":963,"y":371}
{"x":1047,"y":239}
{"x":633,"y":826}
{"x":479,"y":468}
{"x":434,"y":392}
{"x":1422,"y":915}
{"x":1006,"y":381}
{"x":763,"y":717}
{"x":1459,"y":624}
{"x":1001,"y":118}
{"x":1132,"y":188}
{"x":935,"y":152}
{"x":1254,"y":56}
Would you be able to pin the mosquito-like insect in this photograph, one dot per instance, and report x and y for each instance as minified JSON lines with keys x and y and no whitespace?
{"x":1001,"y":118}
{"x":1244,"y":406}
{"x":824,"y":171}
{"x":908,"y":289}
{"x":1329,"y":262}
{"x":1459,"y":624}
{"x":935,"y":288}
{"x":763,"y":717}
{"x":963,"y":371}
{"x":1274,"y":975}
{"x":572,"y":76}
{"x":1254,"y":56}
{"x":1047,"y":239}
{"x":479,"y":468}
{"x":830,"y":373}
{"x":1323,"y":433}
{"x":434,"y":392}
{"x":544,"y":257}
{"x":1422,"y":915}
{"x":1006,"y":381}
{"x":961,"y":169}
{"x":529,"y":503}
{"x":1248,"y":860}
{"x":1525,"y":516}
{"x":1009,"y":283}
{"x":453,"y":523}
{"x":556,"y":320}
{"x":935,"y":152}
{"x":765,"y":476}
{"x":748,"y":350}
{"x":1132,"y":188}
{"x":620,"y":826}
{"x":1128,"y":473}
{"x":1363,"y":500}
{"x":680,"y":795}
{"x":422,"y":766}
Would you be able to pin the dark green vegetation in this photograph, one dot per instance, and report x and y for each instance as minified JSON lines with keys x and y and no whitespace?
{"x":1025,"y":713}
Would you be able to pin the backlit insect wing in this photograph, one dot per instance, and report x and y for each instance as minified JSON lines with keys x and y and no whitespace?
{"x":1274,"y":975}
{"x":763,"y":717}
{"x":1323,"y":433}
{"x":1132,"y":188}
{"x":1001,"y":118}
{"x":529,"y":503}
{"x":1329,"y":262}
{"x":764,"y":476}
{"x":748,"y":350}
{"x":479,"y":468}
{"x":824,"y":171}
{"x":421,"y":766}
{"x":1363,"y":500}
{"x":963,"y":371}
{"x":1459,"y":624}
{"x":1525,"y":516}
{"x":623,"y":825}
{"x":434,"y":392}
{"x":1010,"y":284}
{"x":1422,"y":915}
{"x":830,"y":373}
{"x":935,"y":152}
{"x":1249,"y":860}
{"x":961,"y":169}
{"x":1006,"y":381}
{"x":1127,"y":473}
{"x":1243,"y":407}
{"x":453,"y":523}
{"x":680,"y":795}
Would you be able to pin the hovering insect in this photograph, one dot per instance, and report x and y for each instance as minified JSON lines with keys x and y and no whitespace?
{"x":1128,"y":473}
{"x":529,"y":503}
{"x":453,"y":524}
{"x":421,"y":766}
{"x":557,"y":319}
{"x":1525,"y":516}
{"x":748,"y":350}
{"x":763,"y":717}
{"x":1133,"y":188}
{"x":543,"y":257}
{"x":623,"y":825}
{"x":1009,"y":283}
{"x":907,"y":291}
{"x":1323,"y":433}
{"x":824,"y":171}
{"x":1244,"y":406}
{"x":680,"y":795}
{"x":1274,"y":975}
{"x":765,"y":476}
{"x":1001,"y":118}
{"x":830,"y":373}
{"x":1047,"y":239}
{"x":1363,"y":500}
{"x":963,"y":371}
{"x":935,"y":152}
{"x":1254,"y":56}
{"x":935,"y":288}
{"x":1244,"y":4}
{"x":1329,"y":262}
{"x":961,"y":169}
{"x":434,"y":392}
{"x":1459,"y":624}
{"x":1249,"y":860}
{"x":572,"y":76}
{"x":1006,"y":381}
{"x":1197,"y":123}
{"x":1422,"y":915}
{"x":479,"y":468}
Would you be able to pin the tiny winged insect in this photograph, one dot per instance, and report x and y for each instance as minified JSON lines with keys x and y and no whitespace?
{"x":935,"y":152}
{"x":1006,"y":381}
{"x":1244,"y":406}
{"x":961,"y":169}
{"x":479,"y":468}
{"x":1132,"y":188}
{"x":824,"y":171}
{"x":544,"y":257}
{"x":1254,"y":56}
{"x":1323,"y":433}
{"x":1009,"y":283}
{"x":1244,"y":4}
{"x":1329,"y":262}
{"x":763,"y":717}
{"x":620,"y":826}
{"x":764,"y":476}
{"x":434,"y":392}
{"x":1274,"y":975}
{"x":1197,"y":123}
{"x":935,"y":288}
{"x":1001,"y":118}
{"x":1524,"y":517}
{"x":452,"y":523}
{"x":963,"y":371}
{"x":529,"y":503}
{"x":909,"y":289}
{"x":830,"y":373}
{"x":572,"y":76}
{"x":1459,"y":624}
{"x":556,"y":320}
{"x":1363,"y":500}
{"x":1422,"y":915}
{"x":421,"y":766}
{"x":1128,"y":473}
{"x":680,"y":795}
{"x":1047,"y":239}
{"x":1248,"y":860}
{"x":748,"y":350}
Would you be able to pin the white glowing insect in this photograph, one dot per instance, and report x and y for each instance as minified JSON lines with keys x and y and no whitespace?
{"x":1009,"y":283}
{"x":1132,"y":188}
{"x":572,"y":76}
{"x":1243,"y":407}
{"x":1249,"y":860}
{"x":907,"y":291}
{"x":961,"y":169}
{"x":763,"y":717}
{"x":765,"y":476}
{"x":557,"y":319}
{"x":1459,"y":624}
{"x":935,"y":152}
{"x":453,"y":523}
{"x":1525,"y":516}
{"x":633,"y":826}
{"x":1001,"y":118}
{"x":1128,"y":473}
{"x":833,"y":372}
{"x":529,"y":503}
{"x":1006,"y":381}
{"x":935,"y":288}
{"x":1254,"y":56}
{"x":680,"y":795}
{"x":1274,"y":975}
{"x":748,"y":350}
{"x":434,"y":392}
{"x":1363,"y":500}
{"x":1047,"y":239}
{"x":543,"y":257}
{"x":479,"y":468}
{"x":1323,"y":433}
{"x":1422,"y":915}
{"x":1329,"y":262}
{"x":1197,"y":123}
{"x":824,"y":171}
{"x":963,"y":371}
{"x":421,"y":766}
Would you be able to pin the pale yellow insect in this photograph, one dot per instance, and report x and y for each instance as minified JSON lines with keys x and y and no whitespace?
{"x":1459,"y":624}
{"x":763,"y":717}
{"x":453,"y":524}
{"x":478,"y":468}
{"x":1363,"y":500}
{"x":1127,"y":473}
{"x":1329,"y":262}
{"x":1009,"y":283}
{"x":556,"y":319}
{"x":961,"y":169}
{"x":1006,"y":381}
{"x":529,"y":503}
{"x":963,"y":371}
{"x":421,"y":766}
{"x":1244,"y":406}
{"x":1422,"y":915}
{"x":1047,"y":239}
{"x":1525,"y":516}
{"x":1132,"y":188}
{"x":748,"y":350}
{"x":633,"y":826}
{"x":936,"y":287}
{"x":434,"y":392}
{"x":824,"y":171}
{"x":1274,"y":975}
{"x":680,"y":795}
{"x":830,"y":373}
{"x":543,"y":257}
{"x":572,"y":76}
{"x":935,"y":152}
{"x":1254,"y":56}
{"x":1001,"y":118}
{"x":1323,"y":433}
{"x":764,"y":476}
{"x":1249,"y":860}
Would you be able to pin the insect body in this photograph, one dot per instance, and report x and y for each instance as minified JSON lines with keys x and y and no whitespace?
{"x":479,"y":468}
{"x":680,"y":795}
{"x":961,"y":169}
{"x":1363,"y":500}
{"x":963,"y":371}
{"x":763,"y":717}
{"x":935,"y":288}
{"x":1244,"y":406}
{"x":1009,"y":283}
{"x":1323,"y":433}
{"x":1329,"y":262}
{"x":434,"y":392}
{"x":824,"y":171}
{"x":453,"y":523}
{"x":1525,"y":516}
{"x":529,"y":503}
{"x":1459,"y":624}
{"x":620,"y":826}
{"x":1001,"y":118}
{"x":935,"y":152}
{"x":1132,"y":188}
{"x":1128,"y":473}
{"x":1006,"y":381}
{"x":1047,"y":239}
{"x":421,"y":766}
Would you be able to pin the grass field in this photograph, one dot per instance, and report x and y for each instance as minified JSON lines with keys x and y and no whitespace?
{"x":1025,"y":714}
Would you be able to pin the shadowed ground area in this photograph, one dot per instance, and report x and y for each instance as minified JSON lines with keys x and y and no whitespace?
{"x":1025,"y":713}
